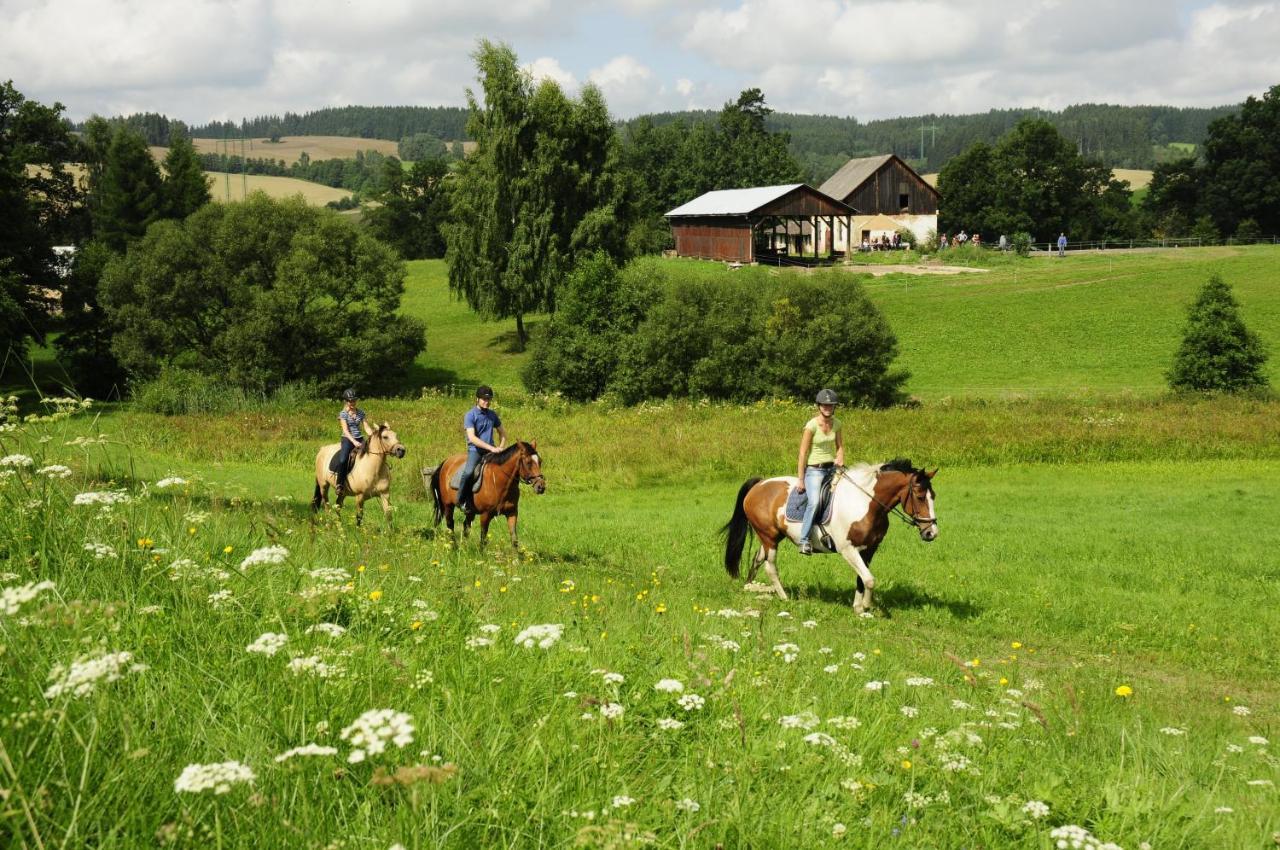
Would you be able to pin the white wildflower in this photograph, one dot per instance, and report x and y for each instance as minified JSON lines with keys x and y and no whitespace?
{"x":805,"y":720}
{"x":83,"y":674}
{"x":329,"y":575}
{"x":788,"y":651}
{"x":478,"y":642}
{"x":17,"y":461}
{"x":172,"y":481}
{"x":217,"y":778}
{"x":843,"y":722}
{"x":838,"y":831}
{"x":622,"y":801}
{"x":825,"y":650}
{"x":100,"y":551}
{"x":688,"y":805}
{"x":810,"y":624}
{"x":1259,"y":783}
{"x":614,"y":678}
{"x":1036,"y":809}
{"x":1235,"y":748}
{"x":831,"y":668}
{"x":1072,"y":837}
{"x":268,"y":643}
{"x":670,"y":724}
{"x":313,"y":665}
{"x":909,"y":710}
{"x":105,"y":497}
{"x":307,"y":750}
{"x":784,"y":615}
{"x":373,"y":730}
{"x":1223,"y":810}
{"x":874,"y":685}
{"x":543,"y":636}
{"x":13,"y":598}
{"x":332,"y":630}
{"x":670,"y":686}
{"x":819,"y":739}
{"x":490,"y":629}
{"x":919,"y":682}
{"x":219,"y":597}
{"x":1258,"y":740}
{"x":691,"y":702}
{"x":612,"y":710}
{"x":265,"y":555}
{"x":1241,"y":711}
{"x":55,"y":470}
{"x":955,"y":763}
{"x":1173,"y":731}
{"x":960,"y":705}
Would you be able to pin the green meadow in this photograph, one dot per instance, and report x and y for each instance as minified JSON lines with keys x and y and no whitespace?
{"x":1089,"y":643}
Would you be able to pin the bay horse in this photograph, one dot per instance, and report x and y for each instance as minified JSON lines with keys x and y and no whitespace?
{"x":499,"y":493}
{"x":862,"y":499}
{"x":370,"y":475}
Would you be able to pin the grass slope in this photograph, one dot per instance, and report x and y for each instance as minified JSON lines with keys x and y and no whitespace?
{"x":277,"y":187}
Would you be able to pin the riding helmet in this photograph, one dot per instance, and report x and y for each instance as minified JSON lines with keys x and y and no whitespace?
{"x":826,"y":396}
{"x":348,"y":395}
{"x":484,"y":391}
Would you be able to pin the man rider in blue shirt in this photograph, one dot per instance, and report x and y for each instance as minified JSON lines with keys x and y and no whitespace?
{"x":479,"y":424}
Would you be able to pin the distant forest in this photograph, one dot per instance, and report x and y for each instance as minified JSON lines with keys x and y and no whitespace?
{"x":1119,"y":136}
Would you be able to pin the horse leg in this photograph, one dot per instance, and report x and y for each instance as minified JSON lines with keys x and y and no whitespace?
{"x":386,"y":508}
{"x":771,"y":570}
{"x":756,"y":561}
{"x":485,"y":519}
{"x":511,"y":529}
{"x":866,"y":581}
{"x":359,"y":509}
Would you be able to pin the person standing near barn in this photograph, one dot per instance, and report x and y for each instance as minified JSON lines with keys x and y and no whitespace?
{"x":352,"y":421}
{"x":479,"y":423}
{"x":1062,"y":244}
{"x":821,"y":451}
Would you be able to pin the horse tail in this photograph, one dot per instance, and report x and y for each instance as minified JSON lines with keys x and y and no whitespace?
{"x":735,"y":530}
{"x":437,"y":498}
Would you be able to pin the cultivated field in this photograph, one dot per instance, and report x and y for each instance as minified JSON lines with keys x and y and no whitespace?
{"x":276,"y":187}
{"x":290,"y":148}
{"x":1138,"y":178}
{"x":1089,"y":643}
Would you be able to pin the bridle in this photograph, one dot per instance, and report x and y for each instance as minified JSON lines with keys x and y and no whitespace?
{"x":382,"y":442}
{"x":896,"y":509}
{"x":530,"y":480}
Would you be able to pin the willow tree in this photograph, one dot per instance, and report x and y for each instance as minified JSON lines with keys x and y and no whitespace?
{"x":538,"y":191}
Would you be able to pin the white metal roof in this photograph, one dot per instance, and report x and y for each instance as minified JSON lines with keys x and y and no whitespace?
{"x":733,"y":201}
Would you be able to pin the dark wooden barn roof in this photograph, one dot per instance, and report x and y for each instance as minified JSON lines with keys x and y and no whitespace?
{"x":855,"y":172}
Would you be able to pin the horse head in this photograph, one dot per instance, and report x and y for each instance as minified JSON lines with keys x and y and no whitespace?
{"x":918,"y":504}
{"x":531,"y":467}
{"x":390,"y":442}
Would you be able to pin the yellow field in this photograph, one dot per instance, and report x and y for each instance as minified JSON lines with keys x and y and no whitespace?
{"x":1137,"y":177}
{"x":276,"y":187}
{"x":290,"y":148}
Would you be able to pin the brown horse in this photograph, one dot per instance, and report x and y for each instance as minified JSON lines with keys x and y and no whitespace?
{"x":862,"y":496}
{"x":370,"y":476}
{"x":499,"y":491}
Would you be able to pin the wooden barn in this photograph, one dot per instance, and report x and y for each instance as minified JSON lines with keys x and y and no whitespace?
{"x":761,"y":224}
{"x":880,"y":187}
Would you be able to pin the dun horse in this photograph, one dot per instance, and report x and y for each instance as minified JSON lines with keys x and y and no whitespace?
{"x":370,"y":476}
{"x":862,"y":499}
{"x":500,"y":476}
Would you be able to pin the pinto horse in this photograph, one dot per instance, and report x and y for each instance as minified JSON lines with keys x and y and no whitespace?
{"x":862,"y":499}
{"x":370,"y":475}
{"x":499,"y":493}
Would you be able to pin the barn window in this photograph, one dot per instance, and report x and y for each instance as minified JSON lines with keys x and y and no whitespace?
{"x":904,"y":196}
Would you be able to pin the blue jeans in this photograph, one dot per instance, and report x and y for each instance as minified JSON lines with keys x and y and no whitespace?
{"x":464,"y":483}
{"x":813,"y":481}
{"x":344,"y":456}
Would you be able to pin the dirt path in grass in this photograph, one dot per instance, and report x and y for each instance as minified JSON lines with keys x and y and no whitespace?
{"x":880,"y":271}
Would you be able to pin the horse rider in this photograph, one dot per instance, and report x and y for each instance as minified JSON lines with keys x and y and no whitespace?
{"x":821,"y":451}
{"x":479,"y":423}
{"x":352,"y":421}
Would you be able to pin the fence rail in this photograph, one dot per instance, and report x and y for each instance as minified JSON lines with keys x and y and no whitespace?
{"x":1171,"y":242}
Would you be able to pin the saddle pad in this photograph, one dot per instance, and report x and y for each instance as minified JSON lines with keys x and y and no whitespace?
{"x":797,"y":502}
{"x":477,"y":478}
{"x":333,"y":462}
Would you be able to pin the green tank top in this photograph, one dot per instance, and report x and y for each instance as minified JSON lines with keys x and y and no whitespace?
{"x":823,"y":447}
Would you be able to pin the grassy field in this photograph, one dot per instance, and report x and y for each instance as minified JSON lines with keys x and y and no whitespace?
{"x":291,"y":148}
{"x":276,"y":187}
{"x":1138,"y":178}
{"x":1090,"y":641}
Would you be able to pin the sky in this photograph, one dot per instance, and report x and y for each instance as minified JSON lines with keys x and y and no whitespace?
{"x":200,"y":60}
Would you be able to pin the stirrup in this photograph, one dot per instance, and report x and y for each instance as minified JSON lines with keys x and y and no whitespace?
{"x":805,"y":547}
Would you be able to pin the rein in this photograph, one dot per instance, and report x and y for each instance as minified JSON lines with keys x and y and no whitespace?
{"x":516,"y":473}
{"x":895,"y":510}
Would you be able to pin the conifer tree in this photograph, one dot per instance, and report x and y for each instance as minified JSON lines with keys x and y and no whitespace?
{"x":129,"y":196}
{"x":186,"y":188}
{"x":1218,"y":353}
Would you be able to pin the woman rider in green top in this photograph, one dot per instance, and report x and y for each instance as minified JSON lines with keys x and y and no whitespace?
{"x":821,"y":451}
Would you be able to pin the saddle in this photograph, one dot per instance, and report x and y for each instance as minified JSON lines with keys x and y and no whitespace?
{"x":351,"y":461}
{"x":797,"y":502}
{"x":477,"y":477}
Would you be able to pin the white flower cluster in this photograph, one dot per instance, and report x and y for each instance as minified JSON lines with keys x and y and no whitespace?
{"x":104,"y":497}
{"x":218,"y":778}
{"x":373,"y":730}
{"x":1036,"y":809}
{"x":331,"y":575}
{"x":670,"y":686}
{"x":17,"y":461}
{"x":691,"y":702}
{"x":805,"y":720}
{"x":314,"y":665}
{"x":1072,"y":837}
{"x":478,"y":642}
{"x":268,"y":643}
{"x":843,"y":722}
{"x":100,"y":550}
{"x":265,"y":555}
{"x":622,"y":801}
{"x":543,"y":636}
{"x":333,"y":630}
{"x":724,"y":643}
{"x":307,"y":750}
{"x":172,"y":481}
{"x":919,"y":682}
{"x":490,"y":629}
{"x":13,"y":598}
{"x":688,"y":805}
{"x":83,"y":675}
{"x":612,"y":710}
{"x":819,"y":739}
{"x":613,"y":678}
{"x":670,"y":724}
{"x":55,"y":470}
{"x":219,"y":597}
{"x":185,"y":569}
{"x":788,"y":651}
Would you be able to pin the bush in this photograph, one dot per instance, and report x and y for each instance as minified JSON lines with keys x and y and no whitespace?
{"x":261,"y":294}
{"x":1021,"y":242}
{"x":1206,"y":231}
{"x":907,"y":236}
{"x":1248,"y":230}
{"x":176,"y":391}
{"x":930,"y":243}
{"x":1218,"y":353}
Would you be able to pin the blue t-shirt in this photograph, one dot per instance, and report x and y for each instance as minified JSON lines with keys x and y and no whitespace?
{"x":482,"y":422}
{"x":353,"y":421}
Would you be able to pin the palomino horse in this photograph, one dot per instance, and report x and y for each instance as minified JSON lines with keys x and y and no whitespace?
{"x":370,"y":476}
{"x":499,"y":491}
{"x":862,"y":497}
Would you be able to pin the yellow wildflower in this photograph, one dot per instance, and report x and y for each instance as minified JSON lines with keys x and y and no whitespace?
{"x":1017,"y":644}
{"x":145,"y":542}
{"x":226,"y":550}
{"x":906,"y":764}
{"x":375,"y":595}
{"x":417,"y":624}
{"x":1124,"y":691}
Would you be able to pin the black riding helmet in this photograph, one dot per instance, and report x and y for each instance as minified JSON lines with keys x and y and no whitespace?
{"x":484,"y":392}
{"x":826,"y":396}
{"x":348,"y":395}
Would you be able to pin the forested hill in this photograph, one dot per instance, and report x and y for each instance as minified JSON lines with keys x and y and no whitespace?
{"x":1120,"y":136}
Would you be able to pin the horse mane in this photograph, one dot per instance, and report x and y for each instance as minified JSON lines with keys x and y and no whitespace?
{"x":898,"y":464}
{"x":505,"y":455}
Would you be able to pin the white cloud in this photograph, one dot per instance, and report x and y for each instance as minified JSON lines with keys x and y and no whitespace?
{"x":628,"y":86}
{"x":547,"y":68}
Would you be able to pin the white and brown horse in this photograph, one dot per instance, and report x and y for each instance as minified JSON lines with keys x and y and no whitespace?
{"x":370,"y":475}
{"x":862,"y":499}
{"x":499,"y":493}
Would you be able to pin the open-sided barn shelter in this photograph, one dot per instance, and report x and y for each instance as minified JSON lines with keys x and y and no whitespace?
{"x":764,"y":223}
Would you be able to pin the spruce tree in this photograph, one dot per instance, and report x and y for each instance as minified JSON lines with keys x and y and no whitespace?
{"x":1218,"y":353}
{"x":186,"y":188}
{"x":129,"y":195}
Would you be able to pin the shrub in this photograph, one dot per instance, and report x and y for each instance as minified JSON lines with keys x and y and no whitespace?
{"x":1248,"y":230}
{"x":262,"y":293}
{"x":907,"y":236}
{"x":176,"y":391}
{"x":1218,"y":353}
{"x":1021,"y":242}
{"x":1206,"y":231}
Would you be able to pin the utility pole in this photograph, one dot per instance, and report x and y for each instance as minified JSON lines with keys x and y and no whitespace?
{"x":933,"y":138}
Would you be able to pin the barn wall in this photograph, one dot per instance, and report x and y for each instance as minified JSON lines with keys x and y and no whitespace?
{"x":806,"y":202}
{"x":880,"y":193}
{"x":729,"y":242}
